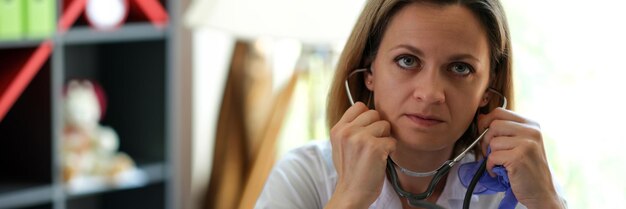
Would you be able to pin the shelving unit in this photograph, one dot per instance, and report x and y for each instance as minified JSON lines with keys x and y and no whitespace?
{"x":27,"y":43}
{"x":129,"y":33}
{"x":133,"y":65}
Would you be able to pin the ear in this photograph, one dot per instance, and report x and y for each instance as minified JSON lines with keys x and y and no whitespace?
{"x":369,"y":80}
{"x":485,"y":100}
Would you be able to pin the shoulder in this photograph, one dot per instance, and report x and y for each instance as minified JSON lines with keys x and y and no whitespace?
{"x":302,"y":178}
{"x":313,"y":159}
{"x":312,"y":152}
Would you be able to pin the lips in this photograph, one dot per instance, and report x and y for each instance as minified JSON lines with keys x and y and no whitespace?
{"x":424,"y":120}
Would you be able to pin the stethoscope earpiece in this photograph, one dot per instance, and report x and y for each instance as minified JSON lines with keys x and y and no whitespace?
{"x":348,"y":85}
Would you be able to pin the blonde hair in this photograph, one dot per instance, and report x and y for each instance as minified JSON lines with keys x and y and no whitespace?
{"x":363,"y":43}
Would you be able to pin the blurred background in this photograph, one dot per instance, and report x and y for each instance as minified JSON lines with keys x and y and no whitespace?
{"x":188,"y":103}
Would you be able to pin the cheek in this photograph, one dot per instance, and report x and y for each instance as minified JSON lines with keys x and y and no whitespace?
{"x":463,"y":108}
{"x":388,"y":96}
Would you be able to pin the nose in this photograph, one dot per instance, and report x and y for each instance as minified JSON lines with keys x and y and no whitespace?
{"x":429,"y":87}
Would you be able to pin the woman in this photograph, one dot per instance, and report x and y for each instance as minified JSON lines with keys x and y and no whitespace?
{"x":433,"y":73}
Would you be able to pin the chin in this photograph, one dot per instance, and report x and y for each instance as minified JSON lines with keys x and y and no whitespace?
{"x":424,"y":142}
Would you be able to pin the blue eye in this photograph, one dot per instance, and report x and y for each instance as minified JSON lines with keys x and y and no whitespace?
{"x":461,"y":69}
{"x":407,"y":62}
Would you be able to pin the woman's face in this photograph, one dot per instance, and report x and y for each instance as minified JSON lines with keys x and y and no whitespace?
{"x":430,"y":75}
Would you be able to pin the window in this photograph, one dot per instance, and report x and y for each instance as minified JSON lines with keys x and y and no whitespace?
{"x":567,"y":56}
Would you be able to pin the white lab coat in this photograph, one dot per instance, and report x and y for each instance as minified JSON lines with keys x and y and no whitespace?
{"x":305,"y":179}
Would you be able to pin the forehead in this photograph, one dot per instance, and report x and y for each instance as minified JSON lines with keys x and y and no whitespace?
{"x":444,"y":30}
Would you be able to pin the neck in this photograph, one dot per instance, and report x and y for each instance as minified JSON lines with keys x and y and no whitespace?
{"x":420,"y":161}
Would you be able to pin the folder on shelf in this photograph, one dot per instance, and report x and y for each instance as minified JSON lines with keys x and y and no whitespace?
{"x":41,"y":15}
{"x":11,"y":19}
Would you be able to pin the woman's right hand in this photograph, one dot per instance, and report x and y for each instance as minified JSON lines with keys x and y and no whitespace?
{"x":361,"y":143}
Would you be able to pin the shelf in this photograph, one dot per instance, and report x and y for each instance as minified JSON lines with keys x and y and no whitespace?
{"x":25,"y":195}
{"x":132,"y":63}
{"x":127,"y":33}
{"x":20,"y":43}
{"x":147,"y":175}
{"x":149,"y":196}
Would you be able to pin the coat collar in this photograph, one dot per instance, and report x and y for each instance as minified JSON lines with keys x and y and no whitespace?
{"x":453,"y":193}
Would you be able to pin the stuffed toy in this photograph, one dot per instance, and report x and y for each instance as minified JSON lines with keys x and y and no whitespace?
{"x":90,"y":150}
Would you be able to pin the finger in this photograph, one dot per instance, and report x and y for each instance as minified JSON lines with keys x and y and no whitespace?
{"x":353,"y":112}
{"x":501,"y":128}
{"x":498,"y":128}
{"x":366,"y":118}
{"x":389,"y":145}
{"x":379,"y":128}
{"x":504,"y":143}
{"x":341,"y":131}
{"x":499,"y":158}
{"x":484,"y":120}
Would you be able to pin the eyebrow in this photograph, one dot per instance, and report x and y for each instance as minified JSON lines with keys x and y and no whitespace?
{"x":420,"y":53}
{"x":410,"y":48}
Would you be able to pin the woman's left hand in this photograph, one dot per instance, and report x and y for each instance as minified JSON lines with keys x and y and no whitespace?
{"x":516,"y":144}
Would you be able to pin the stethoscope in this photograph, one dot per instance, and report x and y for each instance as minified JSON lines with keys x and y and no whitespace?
{"x":418,"y":200}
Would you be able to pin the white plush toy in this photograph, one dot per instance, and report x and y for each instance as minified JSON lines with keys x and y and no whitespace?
{"x":89,"y":149}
